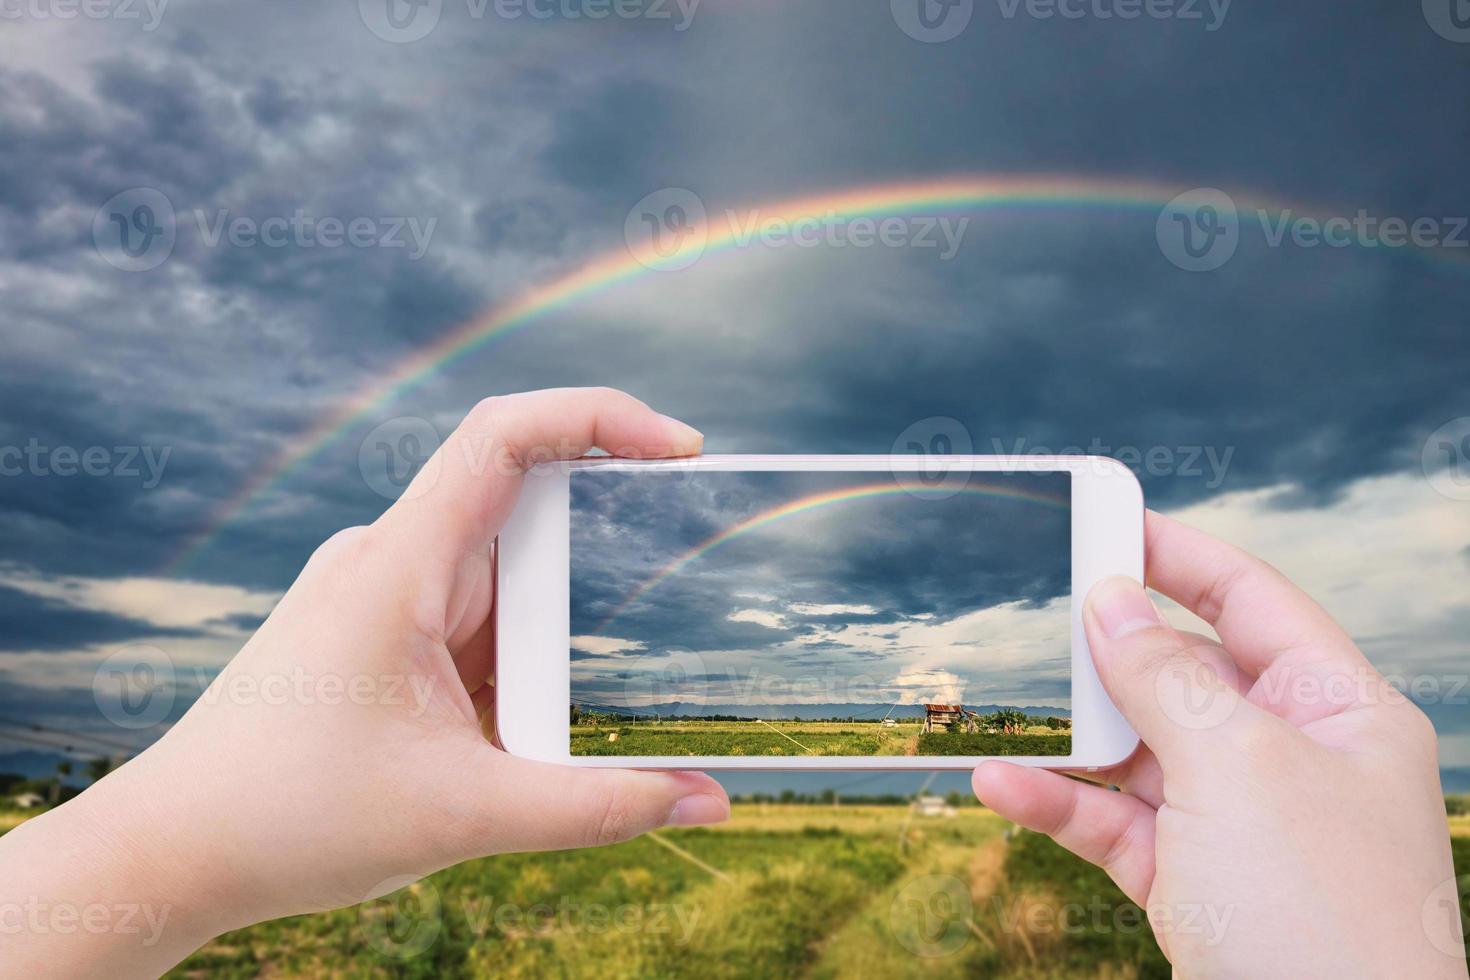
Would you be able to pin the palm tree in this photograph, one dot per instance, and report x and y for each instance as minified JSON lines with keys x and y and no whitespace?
{"x":63,"y":769}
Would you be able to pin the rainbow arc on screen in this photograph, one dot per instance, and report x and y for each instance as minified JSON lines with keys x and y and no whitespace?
{"x":827,"y":498}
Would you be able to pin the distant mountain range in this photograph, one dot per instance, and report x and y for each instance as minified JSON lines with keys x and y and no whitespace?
{"x":810,"y":712}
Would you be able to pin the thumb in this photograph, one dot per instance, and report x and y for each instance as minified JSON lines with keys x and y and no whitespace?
{"x":1182,"y":704}
{"x":456,"y":504}
{"x":536,"y":806}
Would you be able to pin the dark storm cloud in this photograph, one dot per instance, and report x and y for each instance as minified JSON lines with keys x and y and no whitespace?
{"x":1051,"y":328}
{"x":617,"y":140}
{"x":802,"y":577}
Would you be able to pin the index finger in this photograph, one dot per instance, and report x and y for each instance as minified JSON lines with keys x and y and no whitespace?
{"x":458,"y":501}
{"x":1264,"y":620}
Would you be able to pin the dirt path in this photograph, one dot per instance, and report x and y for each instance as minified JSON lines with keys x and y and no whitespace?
{"x":987,"y":868}
{"x":911,"y":745}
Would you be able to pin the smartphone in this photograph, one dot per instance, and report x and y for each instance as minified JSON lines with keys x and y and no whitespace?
{"x":811,"y":612}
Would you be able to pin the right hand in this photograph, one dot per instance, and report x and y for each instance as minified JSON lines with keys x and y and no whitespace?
{"x":1284,"y":816}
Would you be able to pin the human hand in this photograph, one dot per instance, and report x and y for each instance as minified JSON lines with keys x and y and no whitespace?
{"x":1284,"y":816}
{"x":341,"y":751}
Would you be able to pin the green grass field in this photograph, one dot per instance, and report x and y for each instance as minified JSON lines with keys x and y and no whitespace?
{"x":796,"y":738}
{"x":787,"y":890}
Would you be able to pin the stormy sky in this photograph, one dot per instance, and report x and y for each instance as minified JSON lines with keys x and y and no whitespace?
{"x":1277,"y":390}
{"x":941,"y":596}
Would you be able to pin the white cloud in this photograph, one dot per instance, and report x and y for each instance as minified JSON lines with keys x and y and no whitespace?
{"x":760,"y":617}
{"x":920,"y":686}
{"x":605,"y":646}
{"x":830,"y":609}
{"x":166,"y":603}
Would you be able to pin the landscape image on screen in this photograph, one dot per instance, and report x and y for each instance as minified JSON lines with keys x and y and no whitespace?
{"x":778,"y":614}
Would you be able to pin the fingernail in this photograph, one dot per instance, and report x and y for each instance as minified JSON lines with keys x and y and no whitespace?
{"x":1121,"y":606}
{"x":687,"y":439}
{"x":701,"y":808}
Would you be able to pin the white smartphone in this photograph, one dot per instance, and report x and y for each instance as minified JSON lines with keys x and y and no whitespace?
{"x":811,"y":612}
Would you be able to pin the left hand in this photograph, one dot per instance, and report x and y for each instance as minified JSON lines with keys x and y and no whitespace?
{"x":342,"y":749}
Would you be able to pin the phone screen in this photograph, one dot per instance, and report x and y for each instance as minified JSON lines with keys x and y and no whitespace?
{"x":771,"y":614}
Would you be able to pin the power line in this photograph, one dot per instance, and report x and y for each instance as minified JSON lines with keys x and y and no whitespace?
{"x":32,"y":726}
{"x":68,"y":750}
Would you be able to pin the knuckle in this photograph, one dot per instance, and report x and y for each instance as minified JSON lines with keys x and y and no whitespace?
{"x":346,"y":545}
{"x":1257,"y":743}
{"x":1154,"y":651}
{"x":487,"y":410}
{"x":612,"y":399}
{"x":613,"y":820}
{"x":1416,"y":726}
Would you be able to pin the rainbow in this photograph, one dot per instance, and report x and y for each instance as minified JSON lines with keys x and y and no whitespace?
{"x":946,"y":194}
{"x":826,"y":498}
